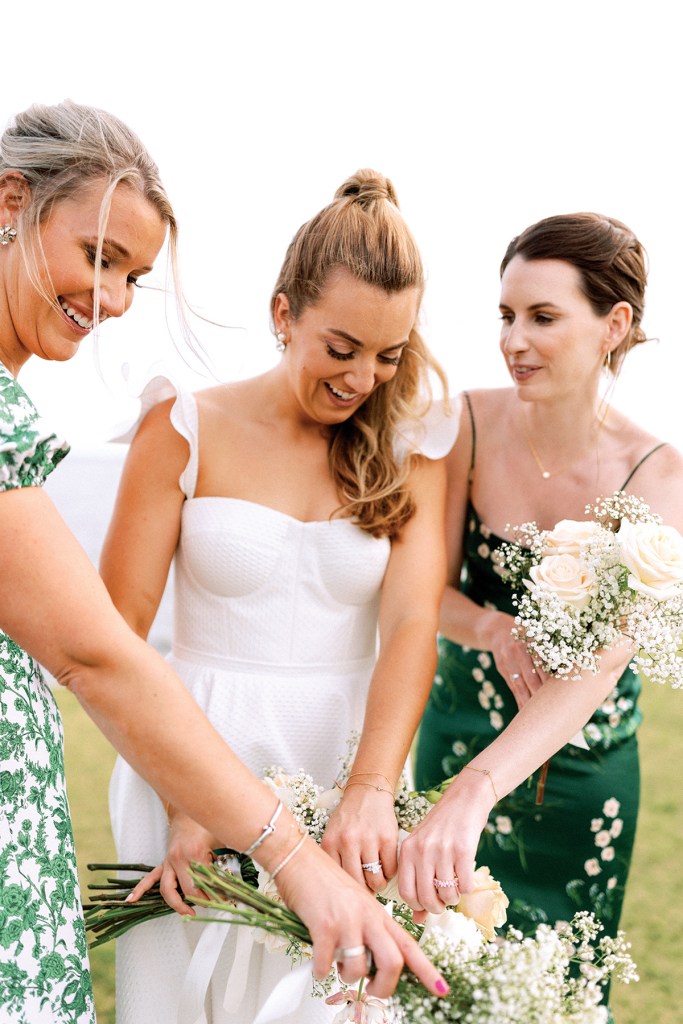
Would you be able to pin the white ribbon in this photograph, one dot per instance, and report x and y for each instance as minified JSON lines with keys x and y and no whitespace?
{"x":239,"y":972}
{"x":198,"y":977}
{"x":287,"y":995}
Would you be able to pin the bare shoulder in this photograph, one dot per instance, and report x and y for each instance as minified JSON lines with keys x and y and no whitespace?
{"x":658,"y":479}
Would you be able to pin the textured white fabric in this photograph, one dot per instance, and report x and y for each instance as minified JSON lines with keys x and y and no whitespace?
{"x":275,"y":633}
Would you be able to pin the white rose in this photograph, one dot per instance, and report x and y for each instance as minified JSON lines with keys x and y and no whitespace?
{"x":568,"y":536}
{"x":456,"y":926}
{"x":653,"y":555}
{"x":568,"y":577}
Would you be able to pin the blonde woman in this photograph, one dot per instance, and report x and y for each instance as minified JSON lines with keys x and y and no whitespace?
{"x":303,"y":508}
{"x":83,"y":216}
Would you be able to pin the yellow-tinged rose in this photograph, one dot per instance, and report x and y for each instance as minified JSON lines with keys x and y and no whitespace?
{"x":486,"y":904}
{"x":569,"y":577}
{"x":568,"y":536}
{"x":653,"y":555}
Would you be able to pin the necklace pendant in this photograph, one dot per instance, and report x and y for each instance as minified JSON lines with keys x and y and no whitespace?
{"x":545,"y":474}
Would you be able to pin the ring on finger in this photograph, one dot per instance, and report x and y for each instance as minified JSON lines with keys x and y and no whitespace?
{"x":445,"y":883}
{"x":515,"y":675}
{"x":343,"y":953}
{"x":373,"y":867}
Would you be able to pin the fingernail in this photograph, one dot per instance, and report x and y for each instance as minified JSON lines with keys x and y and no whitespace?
{"x":441,"y":987}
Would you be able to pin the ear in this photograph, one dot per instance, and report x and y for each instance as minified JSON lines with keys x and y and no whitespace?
{"x":15,"y":195}
{"x":619,"y":320}
{"x":282,"y":316}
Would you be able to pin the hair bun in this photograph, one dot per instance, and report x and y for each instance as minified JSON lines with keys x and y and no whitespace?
{"x":367,"y":186}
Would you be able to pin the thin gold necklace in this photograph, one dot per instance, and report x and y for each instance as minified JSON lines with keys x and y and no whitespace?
{"x":547,"y":473}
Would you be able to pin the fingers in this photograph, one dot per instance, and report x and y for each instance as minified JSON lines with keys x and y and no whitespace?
{"x":145,"y":884}
{"x":168,"y":888}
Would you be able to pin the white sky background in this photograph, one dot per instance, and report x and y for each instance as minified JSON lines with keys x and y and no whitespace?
{"x":487,"y":116}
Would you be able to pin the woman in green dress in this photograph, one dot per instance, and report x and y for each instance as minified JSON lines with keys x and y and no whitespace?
{"x":83,"y":215}
{"x":571,"y":306}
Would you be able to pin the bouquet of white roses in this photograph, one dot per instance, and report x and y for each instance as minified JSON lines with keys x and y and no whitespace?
{"x":585,"y":586}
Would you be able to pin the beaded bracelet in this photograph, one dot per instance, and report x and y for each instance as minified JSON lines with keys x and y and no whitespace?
{"x":295,"y":849}
{"x":487,"y":772}
{"x":266,"y":831}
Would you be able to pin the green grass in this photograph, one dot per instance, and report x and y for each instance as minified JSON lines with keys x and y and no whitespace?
{"x":653,"y":902}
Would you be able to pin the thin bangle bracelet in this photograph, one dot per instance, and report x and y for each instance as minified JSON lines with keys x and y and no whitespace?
{"x":287,"y":859}
{"x":380,"y":789}
{"x":354,"y":775}
{"x":266,"y":831}
{"x":487,"y":772}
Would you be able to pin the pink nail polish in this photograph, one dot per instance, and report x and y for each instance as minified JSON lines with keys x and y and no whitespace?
{"x":441,"y":987}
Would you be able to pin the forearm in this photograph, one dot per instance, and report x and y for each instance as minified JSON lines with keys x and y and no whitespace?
{"x":555,"y":713}
{"x":464,"y":622}
{"x":397,"y":697}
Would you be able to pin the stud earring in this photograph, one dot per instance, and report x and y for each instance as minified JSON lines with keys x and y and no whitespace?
{"x":7,"y":234}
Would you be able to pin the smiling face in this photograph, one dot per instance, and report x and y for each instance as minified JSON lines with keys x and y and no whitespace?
{"x":29,"y":325}
{"x":552,"y":340}
{"x":345,"y":346}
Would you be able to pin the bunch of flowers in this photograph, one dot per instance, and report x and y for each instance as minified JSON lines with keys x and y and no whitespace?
{"x":585,"y":586}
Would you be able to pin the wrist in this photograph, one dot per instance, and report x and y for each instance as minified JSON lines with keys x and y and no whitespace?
{"x":491,"y":623}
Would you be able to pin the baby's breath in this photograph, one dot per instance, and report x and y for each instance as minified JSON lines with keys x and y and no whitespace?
{"x":566,"y":639}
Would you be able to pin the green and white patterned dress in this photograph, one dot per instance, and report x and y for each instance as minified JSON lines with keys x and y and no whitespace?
{"x":44,"y":972}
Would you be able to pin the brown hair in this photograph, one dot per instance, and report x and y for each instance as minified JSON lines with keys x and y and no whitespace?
{"x":610,"y":260}
{"x":363,"y":231}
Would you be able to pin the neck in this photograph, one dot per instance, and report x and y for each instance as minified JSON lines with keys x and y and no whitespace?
{"x":560,"y":436}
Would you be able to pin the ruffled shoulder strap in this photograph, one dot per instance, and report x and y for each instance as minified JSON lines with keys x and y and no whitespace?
{"x":184,"y":418}
{"x":433,"y":434}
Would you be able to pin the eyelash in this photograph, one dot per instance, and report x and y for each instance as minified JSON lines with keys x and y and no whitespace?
{"x":392,"y":361}
{"x":541,"y":318}
{"x":92,"y":254}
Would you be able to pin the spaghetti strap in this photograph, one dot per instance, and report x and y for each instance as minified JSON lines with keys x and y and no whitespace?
{"x":639,"y":464}
{"x":474,"y":433}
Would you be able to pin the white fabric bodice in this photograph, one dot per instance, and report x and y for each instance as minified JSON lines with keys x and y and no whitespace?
{"x":255,"y":585}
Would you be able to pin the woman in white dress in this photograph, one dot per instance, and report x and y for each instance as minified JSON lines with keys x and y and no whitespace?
{"x":302,"y":513}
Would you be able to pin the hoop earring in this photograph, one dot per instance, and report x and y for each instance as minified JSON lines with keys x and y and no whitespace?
{"x":7,"y":234}
{"x":608,"y":360}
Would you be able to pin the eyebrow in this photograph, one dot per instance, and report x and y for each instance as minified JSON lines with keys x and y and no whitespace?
{"x":122,"y":253}
{"x":359,"y":344}
{"x":536,"y":305}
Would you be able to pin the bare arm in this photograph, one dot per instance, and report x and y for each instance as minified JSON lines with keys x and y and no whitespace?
{"x":54,"y":605}
{"x":364,"y":827}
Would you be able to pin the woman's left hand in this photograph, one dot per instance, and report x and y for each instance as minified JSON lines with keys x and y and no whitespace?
{"x":363,"y":830}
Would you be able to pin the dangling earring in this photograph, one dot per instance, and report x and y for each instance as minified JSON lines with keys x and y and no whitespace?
{"x":608,"y":360}
{"x":280,"y":341}
{"x":7,"y":234}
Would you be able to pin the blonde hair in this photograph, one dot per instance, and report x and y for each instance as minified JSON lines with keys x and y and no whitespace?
{"x":61,"y":149}
{"x":363,"y":231}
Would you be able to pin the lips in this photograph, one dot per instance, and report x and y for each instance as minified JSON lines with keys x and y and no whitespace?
{"x":521,"y":372}
{"x":342,"y":396}
{"x":77,"y":317}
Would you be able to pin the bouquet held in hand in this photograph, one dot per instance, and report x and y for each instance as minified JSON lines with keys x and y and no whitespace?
{"x":591,"y":585}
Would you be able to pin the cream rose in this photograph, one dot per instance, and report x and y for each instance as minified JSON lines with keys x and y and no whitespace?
{"x":486,"y":904}
{"x":568,"y":536}
{"x":653,"y":555}
{"x":567,"y":576}
{"x":456,"y":926}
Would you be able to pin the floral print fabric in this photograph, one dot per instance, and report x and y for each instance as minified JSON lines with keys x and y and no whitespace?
{"x":44,"y":973}
{"x":572,"y":852}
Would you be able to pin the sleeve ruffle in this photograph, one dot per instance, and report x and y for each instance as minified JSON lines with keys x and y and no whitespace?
{"x":184,"y":420}
{"x":433,"y":434}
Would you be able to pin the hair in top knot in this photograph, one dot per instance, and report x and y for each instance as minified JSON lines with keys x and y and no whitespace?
{"x":367,"y":186}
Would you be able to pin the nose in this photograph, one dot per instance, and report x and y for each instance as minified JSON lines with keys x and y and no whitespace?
{"x":361,"y":376}
{"x":115,"y":297}
{"x":512,"y":337}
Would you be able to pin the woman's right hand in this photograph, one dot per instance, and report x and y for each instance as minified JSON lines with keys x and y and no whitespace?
{"x":511,"y":657}
{"x":340,"y":914}
{"x":187,"y":842}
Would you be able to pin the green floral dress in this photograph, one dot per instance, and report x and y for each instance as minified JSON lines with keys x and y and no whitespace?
{"x":572,"y":851}
{"x":44,"y":972}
